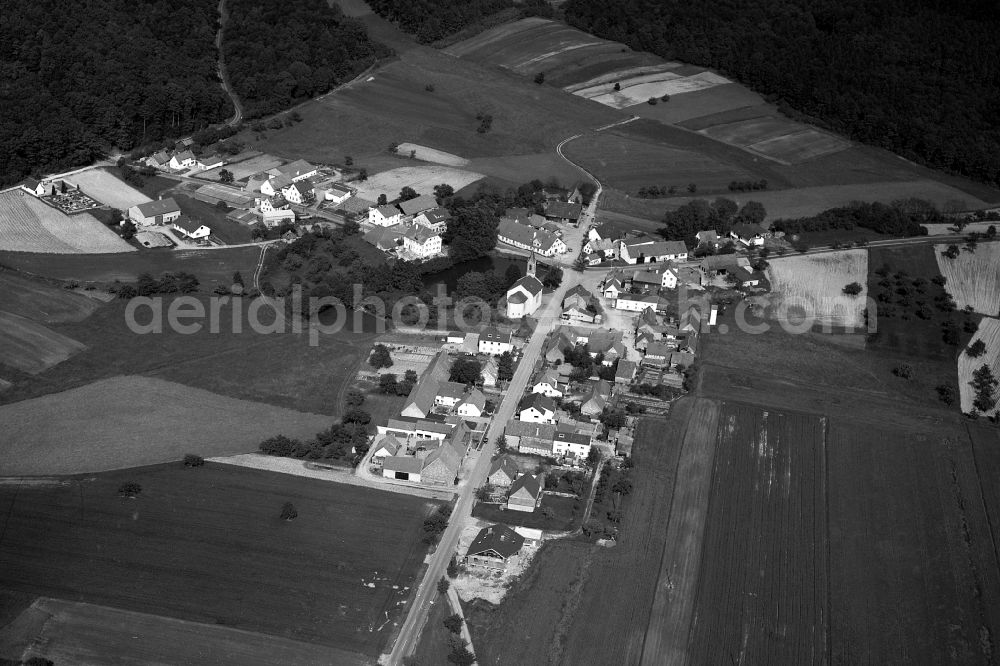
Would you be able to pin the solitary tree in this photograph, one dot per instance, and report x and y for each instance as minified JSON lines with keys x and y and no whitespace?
{"x":226,"y":176}
{"x":407,"y":193}
{"x":853,"y":289}
{"x":129,"y":489}
{"x":618,"y":86}
{"x":443,"y":585}
{"x":288,"y":511}
{"x":354,"y":399}
{"x":380,"y":358}
{"x":348,"y":160}
{"x":976,"y":349}
{"x":192,"y":460}
{"x":454,"y":623}
{"x":363,"y":175}
{"x":382,"y":200}
{"x":540,"y":78}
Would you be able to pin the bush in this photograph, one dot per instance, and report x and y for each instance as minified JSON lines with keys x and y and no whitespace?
{"x":904,"y":370}
{"x":288,"y":511}
{"x":380,"y":358}
{"x":453,"y":623}
{"x":853,"y":289}
{"x":540,"y":78}
{"x":129,"y":489}
{"x":191,"y":460}
{"x":443,"y":586}
{"x":976,"y":349}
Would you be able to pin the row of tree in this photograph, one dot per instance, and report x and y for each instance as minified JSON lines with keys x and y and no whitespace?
{"x":900,"y":218}
{"x":917,"y":77}
{"x":700,"y":215}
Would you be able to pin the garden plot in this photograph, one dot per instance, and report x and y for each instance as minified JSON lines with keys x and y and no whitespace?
{"x":639,"y":89}
{"x":108,"y":189}
{"x":812,"y":287}
{"x":422,"y":179}
{"x":431,"y":155}
{"x":973,"y":277}
{"x":28,"y":225}
{"x":989,"y":333}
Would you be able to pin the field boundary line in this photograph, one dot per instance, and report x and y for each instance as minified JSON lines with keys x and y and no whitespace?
{"x":982,"y":499}
{"x":825,"y":478}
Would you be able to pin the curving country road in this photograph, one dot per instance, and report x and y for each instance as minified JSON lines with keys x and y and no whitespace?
{"x":221,"y":68}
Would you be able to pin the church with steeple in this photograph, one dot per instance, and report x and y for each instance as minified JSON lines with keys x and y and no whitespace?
{"x":525,"y":295}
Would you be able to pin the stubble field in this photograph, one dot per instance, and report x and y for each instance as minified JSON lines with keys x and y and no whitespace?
{"x":108,"y":189}
{"x":28,"y":346}
{"x":28,"y":225}
{"x":973,"y":277}
{"x":422,"y":179}
{"x":207,"y":545}
{"x":989,"y":333}
{"x":810,"y":288}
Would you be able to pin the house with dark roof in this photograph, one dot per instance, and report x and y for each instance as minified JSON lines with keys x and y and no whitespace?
{"x":492,"y":341}
{"x":441,"y":465}
{"x":657,"y":354}
{"x":158,"y":160}
{"x":526,"y":237}
{"x":300,"y":192}
{"x":524,"y":435}
{"x":503,"y":472}
{"x":387,"y":239}
{"x":402,"y":468}
{"x":418,"y":205}
{"x":422,"y":398}
{"x":547,"y":384}
{"x":190,"y":228}
{"x":295,"y":171}
{"x":473,"y":404}
{"x":435,"y":219}
{"x":537,"y":408}
{"x":563,"y":211}
{"x":708,"y":238}
{"x":749,"y":234}
{"x":161,"y":211}
{"x":525,"y":493}
{"x":596,"y":399}
{"x":625,"y":372}
{"x":571,"y":445}
{"x":385,"y":445}
{"x":493,"y":546}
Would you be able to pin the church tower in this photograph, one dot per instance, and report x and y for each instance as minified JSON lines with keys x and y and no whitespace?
{"x":531,"y":265}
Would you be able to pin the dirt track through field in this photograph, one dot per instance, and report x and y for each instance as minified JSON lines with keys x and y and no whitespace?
{"x":667,"y":635}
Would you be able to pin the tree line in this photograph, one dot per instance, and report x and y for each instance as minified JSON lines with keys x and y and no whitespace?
{"x":281,"y":53}
{"x":917,"y":77}
{"x":79,"y":77}
{"x":431,"y":20}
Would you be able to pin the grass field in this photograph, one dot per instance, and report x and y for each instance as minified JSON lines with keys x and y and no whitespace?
{"x":567,"y":512}
{"x":132,"y":421}
{"x":75,"y":633}
{"x":28,"y":225}
{"x":989,"y":333}
{"x":639,"y":89}
{"x":811,"y":287}
{"x":762,"y":582}
{"x":207,"y":545}
{"x":695,"y":104}
{"x":630,"y":164}
{"x":426,"y":154}
{"x":973,"y":277}
{"x":244,"y":169}
{"x":42,"y":302}
{"x":225,"y":229}
{"x":776,"y":137}
{"x":212,"y":267}
{"x":30,"y":347}
{"x":108,"y":189}
{"x":420,"y":178}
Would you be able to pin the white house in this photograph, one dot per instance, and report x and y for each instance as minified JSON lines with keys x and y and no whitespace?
{"x":158,"y":160}
{"x":525,"y":295}
{"x":525,"y":237}
{"x":571,"y":445}
{"x":274,"y":185}
{"x":492,"y":341}
{"x":161,"y":211}
{"x":636,"y":302}
{"x":435,"y":219}
{"x":338,"y":193}
{"x":749,"y":234}
{"x":183,"y":160}
{"x":33,"y":187}
{"x":190,"y":228}
{"x":614,"y":284}
{"x":384,"y":216}
{"x":387,"y":445}
{"x":537,"y":408}
{"x":473,"y":404}
{"x":300,"y":192}
{"x":421,"y":241}
{"x":207,"y":162}
{"x":548,"y":384}
{"x":647,"y":251}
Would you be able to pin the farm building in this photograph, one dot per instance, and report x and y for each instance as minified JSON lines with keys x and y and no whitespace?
{"x":657,"y":355}
{"x":162,"y":211}
{"x":525,"y":237}
{"x":707,"y":239}
{"x":213,"y":194}
{"x":387,"y":445}
{"x":422,"y":398}
{"x":492,"y":341}
{"x":295,"y":171}
{"x":299,"y":192}
{"x":387,"y":239}
{"x":442,"y":464}
{"x":384,"y":216}
{"x":490,"y":371}
{"x":625,"y":372}
{"x":562,"y":211}
{"x":613,"y":285}
{"x":206,"y":162}
{"x":637,"y":302}
{"x":493,"y":546}
{"x":158,"y":160}
{"x":335,"y":192}
{"x":419,"y":205}
{"x":522,"y":435}
{"x":190,"y":228}
{"x":525,"y":494}
{"x":749,"y":234}
{"x":648,"y":251}
{"x":571,"y":445}
{"x":274,"y":185}
{"x":596,"y":399}
{"x":402,"y":468}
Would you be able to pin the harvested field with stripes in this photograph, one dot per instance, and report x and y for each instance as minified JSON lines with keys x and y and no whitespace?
{"x":108,"y":189}
{"x":28,"y":225}
{"x":810,"y":288}
{"x":973,"y":277}
{"x":39,"y":301}
{"x":32,"y":348}
{"x":776,"y":137}
{"x":989,"y":333}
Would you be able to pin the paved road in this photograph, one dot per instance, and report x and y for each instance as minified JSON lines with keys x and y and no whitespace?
{"x":409,"y":634}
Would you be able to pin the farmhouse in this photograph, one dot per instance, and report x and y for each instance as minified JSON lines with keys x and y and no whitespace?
{"x":385,"y":446}
{"x":749,"y":234}
{"x":613,"y":285}
{"x":721,"y":264}
{"x":492,"y":341}
{"x":625,"y":372}
{"x":596,"y":399}
{"x":562,"y":211}
{"x":183,"y":160}
{"x":603,"y":341}
{"x":162,"y":211}
{"x":690,"y":320}
{"x":435,"y":219}
{"x":548,"y":384}
{"x":387,"y":239}
{"x":207,"y":162}
{"x":525,"y":494}
{"x":657,"y":355}
{"x":337,"y":193}
{"x":190,"y":228}
{"x":637,"y":303}
{"x":537,"y":408}
{"x":441,"y":465}
{"x":449,"y":393}
{"x":571,"y":445}
{"x":421,"y":242}
{"x":491,"y":370}
{"x":525,"y":435}
{"x":384,"y":216}
{"x":274,"y":185}
{"x":406,"y":427}
{"x":644,"y":251}
{"x":295,"y":171}
{"x":424,"y":395}
{"x":503,"y":472}
{"x":418,"y":205}
{"x":158,"y":160}
{"x":525,"y":295}
{"x":300,"y":192}
{"x":528,"y":238}
{"x":493,"y":546}
{"x":606,"y":231}
{"x":402,"y":468}
{"x":707,"y":239}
